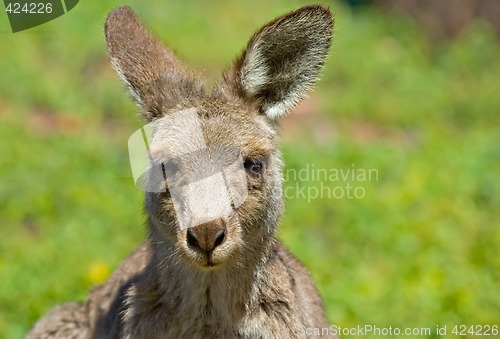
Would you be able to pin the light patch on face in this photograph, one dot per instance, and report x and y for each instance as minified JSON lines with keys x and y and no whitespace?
{"x":205,"y":183}
{"x":201,"y":201}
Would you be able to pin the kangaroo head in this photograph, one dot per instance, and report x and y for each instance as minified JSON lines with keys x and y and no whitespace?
{"x":217,"y":149}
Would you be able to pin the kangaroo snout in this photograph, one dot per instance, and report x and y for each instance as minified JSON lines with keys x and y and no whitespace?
{"x":206,"y":237}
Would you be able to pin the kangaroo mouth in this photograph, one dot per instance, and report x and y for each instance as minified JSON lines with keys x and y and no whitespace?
{"x":208,"y":266}
{"x":205,"y":261}
{"x":210,"y":262}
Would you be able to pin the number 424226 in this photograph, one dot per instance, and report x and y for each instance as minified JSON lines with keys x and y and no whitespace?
{"x":475,"y":330}
{"x":29,"y":8}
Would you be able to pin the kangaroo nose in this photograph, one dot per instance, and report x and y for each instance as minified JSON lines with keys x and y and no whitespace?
{"x":207,"y":237}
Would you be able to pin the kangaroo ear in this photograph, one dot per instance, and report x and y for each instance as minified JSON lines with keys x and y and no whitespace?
{"x":156,"y":78}
{"x":282,"y":60}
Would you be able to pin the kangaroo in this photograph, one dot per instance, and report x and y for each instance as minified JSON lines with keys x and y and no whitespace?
{"x":227,"y":277}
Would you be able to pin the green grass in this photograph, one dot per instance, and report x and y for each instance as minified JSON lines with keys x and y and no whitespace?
{"x":420,"y":249}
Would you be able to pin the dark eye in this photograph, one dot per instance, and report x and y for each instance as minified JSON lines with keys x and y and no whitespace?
{"x":253,"y":165}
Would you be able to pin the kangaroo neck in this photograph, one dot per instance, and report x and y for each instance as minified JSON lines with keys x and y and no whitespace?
{"x":225,"y":291}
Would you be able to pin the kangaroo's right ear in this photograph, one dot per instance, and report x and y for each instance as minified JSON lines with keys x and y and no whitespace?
{"x":156,"y":78}
{"x":282,"y":61}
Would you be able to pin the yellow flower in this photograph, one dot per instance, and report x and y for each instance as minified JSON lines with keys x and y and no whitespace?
{"x":98,"y":272}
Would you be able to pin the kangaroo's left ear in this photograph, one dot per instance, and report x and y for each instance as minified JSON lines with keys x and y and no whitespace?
{"x":282,"y":60}
{"x":156,"y":78}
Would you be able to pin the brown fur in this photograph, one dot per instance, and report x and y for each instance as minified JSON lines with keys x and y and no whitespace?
{"x":228,"y":278}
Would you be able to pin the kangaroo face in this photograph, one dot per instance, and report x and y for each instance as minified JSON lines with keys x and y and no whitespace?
{"x":231,"y":155}
{"x":215,"y":153}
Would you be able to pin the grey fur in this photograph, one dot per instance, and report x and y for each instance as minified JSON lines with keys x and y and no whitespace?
{"x":249,"y":285}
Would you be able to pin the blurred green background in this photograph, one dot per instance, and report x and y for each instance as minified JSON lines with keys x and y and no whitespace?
{"x":420,"y":249}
